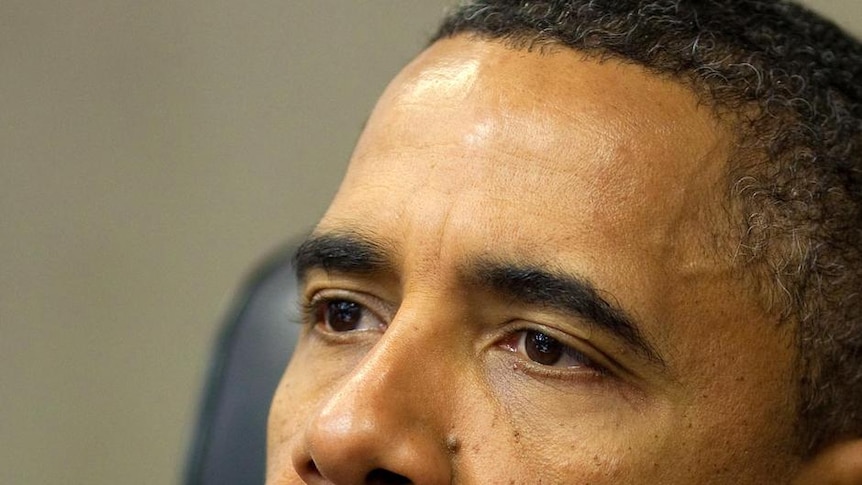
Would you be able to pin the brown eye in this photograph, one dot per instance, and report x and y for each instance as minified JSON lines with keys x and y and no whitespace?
{"x":340,"y":315}
{"x":542,"y":348}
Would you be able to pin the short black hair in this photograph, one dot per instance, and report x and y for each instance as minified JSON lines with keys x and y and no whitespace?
{"x":789,"y":81}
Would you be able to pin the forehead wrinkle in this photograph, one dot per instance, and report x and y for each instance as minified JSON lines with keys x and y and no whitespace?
{"x":422,"y":236}
{"x":503,"y":183}
{"x":530,"y":153}
{"x":604,"y":177}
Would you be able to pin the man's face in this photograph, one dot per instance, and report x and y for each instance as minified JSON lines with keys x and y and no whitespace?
{"x":525,"y":278}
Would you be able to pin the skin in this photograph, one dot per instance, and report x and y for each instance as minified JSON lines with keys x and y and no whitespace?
{"x":551,"y":160}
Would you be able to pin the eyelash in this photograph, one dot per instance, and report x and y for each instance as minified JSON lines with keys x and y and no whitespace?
{"x":313,"y":308}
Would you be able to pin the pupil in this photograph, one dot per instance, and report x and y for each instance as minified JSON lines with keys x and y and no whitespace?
{"x":343,"y":315}
{"x":543,"y":349}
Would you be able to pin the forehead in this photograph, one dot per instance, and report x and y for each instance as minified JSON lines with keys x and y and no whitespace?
{"x":538,"y":135}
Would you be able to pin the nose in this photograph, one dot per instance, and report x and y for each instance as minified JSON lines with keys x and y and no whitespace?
{"x":382,"y":424}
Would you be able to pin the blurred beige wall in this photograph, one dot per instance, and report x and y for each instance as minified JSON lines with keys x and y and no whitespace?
{"x":150,"y":152}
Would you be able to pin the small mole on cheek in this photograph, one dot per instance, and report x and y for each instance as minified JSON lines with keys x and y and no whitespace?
{"x":452,"y":445}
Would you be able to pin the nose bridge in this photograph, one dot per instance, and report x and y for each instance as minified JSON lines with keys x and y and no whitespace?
{"x":397,"y":371}
{"x":391,"y":411}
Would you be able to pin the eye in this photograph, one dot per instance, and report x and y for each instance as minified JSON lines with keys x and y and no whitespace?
{"x":341,"y":315}
{"x":545,"y":350}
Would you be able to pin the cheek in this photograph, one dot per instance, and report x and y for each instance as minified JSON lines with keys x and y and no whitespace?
{"x":737,"y":407}
{"x":281,"y":427}
{"x":524,"y":427}
{"x":297,"y":396}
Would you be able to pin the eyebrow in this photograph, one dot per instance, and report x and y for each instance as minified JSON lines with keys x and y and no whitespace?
{"x":566,"y":293}
{"x":342,"y":252}
{"x":355,"y":253}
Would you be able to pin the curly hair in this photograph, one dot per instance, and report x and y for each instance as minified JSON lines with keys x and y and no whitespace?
{"x":790,"y":82}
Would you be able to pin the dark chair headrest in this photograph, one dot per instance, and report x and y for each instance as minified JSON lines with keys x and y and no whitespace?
{"x":229,"y":444}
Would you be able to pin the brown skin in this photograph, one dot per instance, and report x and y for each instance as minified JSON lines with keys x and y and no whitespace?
{"x":601,"y":170}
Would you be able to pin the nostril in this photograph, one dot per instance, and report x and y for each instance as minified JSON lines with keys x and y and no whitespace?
{"x":310,"y":469}
{"x":380,"y":476}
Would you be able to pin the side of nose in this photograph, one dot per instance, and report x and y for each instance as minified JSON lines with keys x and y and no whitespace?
{"x":384,"y":423}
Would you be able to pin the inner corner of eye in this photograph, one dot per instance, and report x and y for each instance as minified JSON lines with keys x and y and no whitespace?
{"x":510,"y":341}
